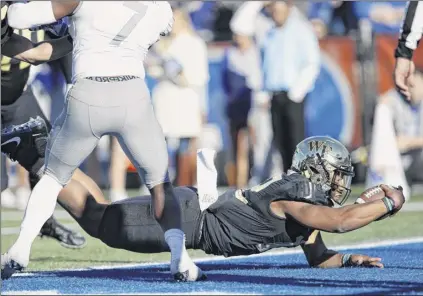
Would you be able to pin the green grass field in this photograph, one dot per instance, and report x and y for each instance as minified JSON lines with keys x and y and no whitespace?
{"x":48,"y":254}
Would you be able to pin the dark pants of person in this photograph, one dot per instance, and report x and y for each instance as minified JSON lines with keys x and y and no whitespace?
{"x":414,"y":173}
{"x":288,"y":125}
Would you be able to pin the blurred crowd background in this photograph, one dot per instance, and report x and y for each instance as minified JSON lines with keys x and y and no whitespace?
{"x":252,"y":79}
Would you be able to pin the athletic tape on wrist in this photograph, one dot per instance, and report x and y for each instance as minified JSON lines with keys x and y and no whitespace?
{"x":346,"y":260}
{"x":389,"y":204}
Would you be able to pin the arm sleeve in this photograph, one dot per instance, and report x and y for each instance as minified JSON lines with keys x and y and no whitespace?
{"x":61,"y":48}
{"x":27,"y":15}
{"x":15,"y":45}
{"x":411,"y":30}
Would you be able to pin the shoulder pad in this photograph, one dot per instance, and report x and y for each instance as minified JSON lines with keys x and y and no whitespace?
{"x":303,"y":190}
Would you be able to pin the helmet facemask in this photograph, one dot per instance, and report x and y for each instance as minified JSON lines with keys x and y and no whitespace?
{"x":340,"y":184}
{"x":335,"y":181}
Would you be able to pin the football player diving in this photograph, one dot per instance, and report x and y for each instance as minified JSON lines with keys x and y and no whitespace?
{"x":285,"y":211}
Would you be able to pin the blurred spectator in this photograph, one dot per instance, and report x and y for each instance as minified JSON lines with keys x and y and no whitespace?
{"x":332,"y":18}
{"x":252,"y":14}
{"x":14,"y":197}
{"x":241,"y":77}
{"x":385,"y":16}
{"x":8,"y":198}
{"x":291,"y":63}
{"x":180,"y":97}
{"x":221,"y":29}
{"x":202,"y":15}
{"x":408,"y":124}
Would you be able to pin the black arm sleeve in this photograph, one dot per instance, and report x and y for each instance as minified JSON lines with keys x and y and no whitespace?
{"x":61,"y":47}
{"x":411,"y":30}
{"x":15,"y":45}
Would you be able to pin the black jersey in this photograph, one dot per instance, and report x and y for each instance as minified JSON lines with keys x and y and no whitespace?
{"x":242,"y":223}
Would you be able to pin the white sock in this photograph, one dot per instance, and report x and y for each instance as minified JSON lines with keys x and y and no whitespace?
{"x":180,"y":260}
{"x":40,"y":207}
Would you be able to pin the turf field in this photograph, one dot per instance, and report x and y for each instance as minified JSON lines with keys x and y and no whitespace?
{"x":274,"y":273}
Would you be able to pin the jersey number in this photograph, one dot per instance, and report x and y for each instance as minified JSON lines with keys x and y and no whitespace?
{"x":140,"y":10}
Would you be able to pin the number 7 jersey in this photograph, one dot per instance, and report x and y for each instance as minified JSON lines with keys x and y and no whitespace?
{"x":112,"y":38}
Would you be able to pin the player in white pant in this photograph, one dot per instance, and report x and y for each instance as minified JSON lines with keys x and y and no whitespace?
{"x":109,"y":97}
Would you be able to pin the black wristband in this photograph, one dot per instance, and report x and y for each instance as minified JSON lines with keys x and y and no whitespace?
{"x":402,"y":51}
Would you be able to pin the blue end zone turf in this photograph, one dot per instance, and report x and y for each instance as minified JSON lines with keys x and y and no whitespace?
{"x":274,"y":274}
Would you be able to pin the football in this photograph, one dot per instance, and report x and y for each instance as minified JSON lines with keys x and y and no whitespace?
{"x":371,"y":194}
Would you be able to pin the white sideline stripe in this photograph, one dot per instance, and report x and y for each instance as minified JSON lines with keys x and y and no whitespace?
{"x":365,"y":245}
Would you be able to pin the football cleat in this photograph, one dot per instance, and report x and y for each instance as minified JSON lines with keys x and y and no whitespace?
{"x":67,"y":238}
{"x":9,"y":267}
{"x":31,"y":133}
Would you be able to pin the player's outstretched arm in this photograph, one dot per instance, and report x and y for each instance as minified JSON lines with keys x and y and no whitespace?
{"x":347,"y":218}
{"x":37,"y":13}
{"x":318,"y":255}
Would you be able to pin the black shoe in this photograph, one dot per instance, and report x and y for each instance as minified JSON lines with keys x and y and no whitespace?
{"x":9,"y":267}
{"x":31,"y":133}
{"x":66,"y":237}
